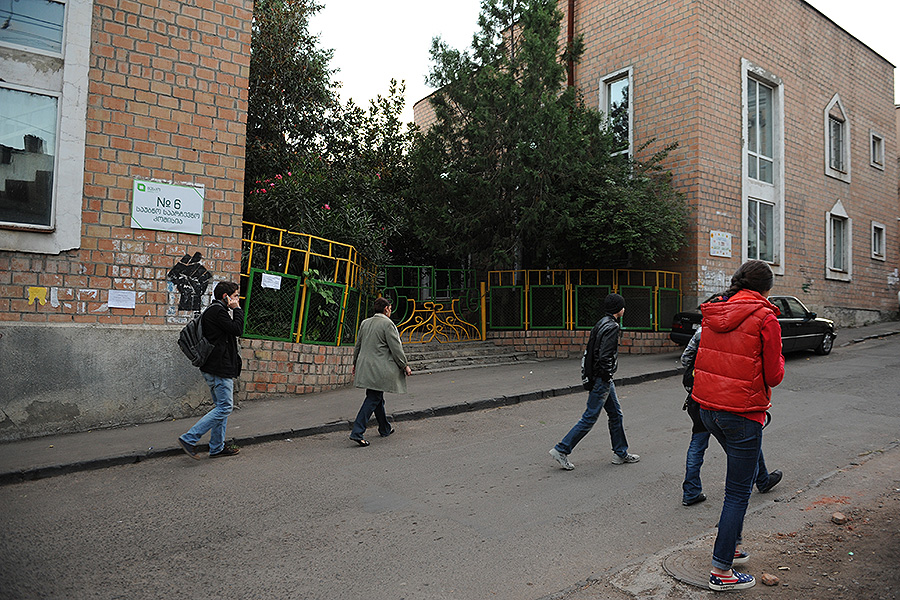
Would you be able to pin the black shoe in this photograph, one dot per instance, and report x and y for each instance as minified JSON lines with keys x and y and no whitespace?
{"x":695,"y":500}
{"x":388,"y":433}
{"x":774,"y":478}
{"x":189,"y":449}
{"x":360,"y":441}
{"x":226,"y":451}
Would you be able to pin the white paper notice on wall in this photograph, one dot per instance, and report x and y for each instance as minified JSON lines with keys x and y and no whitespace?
{"x":273,"y":282}
{"x":121,"y":299}
{"x":720,"y":243}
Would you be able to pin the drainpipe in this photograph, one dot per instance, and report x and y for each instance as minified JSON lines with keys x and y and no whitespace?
{"x":570,"y":35}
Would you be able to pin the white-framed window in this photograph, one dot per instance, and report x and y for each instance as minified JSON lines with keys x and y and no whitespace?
{"x":876,"y":150}
{"x":760,"y":230}
{"x":760,"y":143}
{"x":837,"y":140}
{"x":762,"y":166}
{"x":878,"y":241}
{"x":616,"y":92}
{"x":27,"y":156}
{"x":44,"y":61}
{"x":838,"y":243}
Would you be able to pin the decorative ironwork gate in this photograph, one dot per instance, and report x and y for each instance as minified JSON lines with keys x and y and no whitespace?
{"x":436,"y":321}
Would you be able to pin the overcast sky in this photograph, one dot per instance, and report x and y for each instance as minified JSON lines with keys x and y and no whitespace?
{"x":377,"y":40}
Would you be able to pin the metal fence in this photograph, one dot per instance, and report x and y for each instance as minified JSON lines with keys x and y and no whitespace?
{"x":573,"y":299}
{"x":433,"y":304}
{"x":299,"y":287}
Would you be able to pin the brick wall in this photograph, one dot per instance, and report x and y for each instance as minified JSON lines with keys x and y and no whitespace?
{"x":686,"y":63}
{"x":283,"y":368}
{"x":167,"y":100}
{"x":571,"y":344}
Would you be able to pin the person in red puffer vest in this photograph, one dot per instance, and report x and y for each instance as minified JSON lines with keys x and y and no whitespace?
{"x":738,"y":363}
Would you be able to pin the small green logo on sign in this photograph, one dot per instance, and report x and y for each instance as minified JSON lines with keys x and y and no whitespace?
{"x":141,"y":187}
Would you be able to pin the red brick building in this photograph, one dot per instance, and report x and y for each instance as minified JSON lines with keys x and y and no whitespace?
{"x":95,"y":98}
{"x":787,"y":140}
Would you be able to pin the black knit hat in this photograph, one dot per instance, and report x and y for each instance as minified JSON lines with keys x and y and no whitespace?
{"x":613,"y":303}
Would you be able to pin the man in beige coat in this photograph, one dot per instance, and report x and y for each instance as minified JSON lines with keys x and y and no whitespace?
{"x":379,"y":366}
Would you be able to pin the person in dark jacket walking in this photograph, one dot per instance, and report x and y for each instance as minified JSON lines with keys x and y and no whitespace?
{"x":603,"y":364}
{"x":223,"y":324}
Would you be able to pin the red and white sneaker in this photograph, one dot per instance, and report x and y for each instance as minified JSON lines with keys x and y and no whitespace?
{"x":737,"y":581}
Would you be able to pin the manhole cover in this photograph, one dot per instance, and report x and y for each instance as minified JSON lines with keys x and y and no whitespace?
{"x":690,"y":565}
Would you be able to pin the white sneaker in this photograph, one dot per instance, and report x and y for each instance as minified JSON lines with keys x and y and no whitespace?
{"x":562,"y":459}
{"x":628,"y":458}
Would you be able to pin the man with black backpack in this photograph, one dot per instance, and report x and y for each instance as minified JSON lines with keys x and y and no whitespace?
{"x":600,"y":363}
{"x":222,"y":324}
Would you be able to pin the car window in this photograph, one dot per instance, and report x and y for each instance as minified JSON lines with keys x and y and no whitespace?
{"x":797,"y":309}
{"x":782,"y":306}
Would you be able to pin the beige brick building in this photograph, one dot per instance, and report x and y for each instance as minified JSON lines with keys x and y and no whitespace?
{"x":101,"y":96}
{"x":787,"y":140}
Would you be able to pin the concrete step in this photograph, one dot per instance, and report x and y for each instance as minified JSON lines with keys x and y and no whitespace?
{"x":436,"y":358}
{"x":450,"y":350}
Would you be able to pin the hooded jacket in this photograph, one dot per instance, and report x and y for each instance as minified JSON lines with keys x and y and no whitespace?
{"x":739,"y":359}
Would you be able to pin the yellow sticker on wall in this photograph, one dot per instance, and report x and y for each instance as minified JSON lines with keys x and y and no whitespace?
{"x":37,"y":293}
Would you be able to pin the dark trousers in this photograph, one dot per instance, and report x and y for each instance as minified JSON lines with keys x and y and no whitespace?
{"x":374,"y":403}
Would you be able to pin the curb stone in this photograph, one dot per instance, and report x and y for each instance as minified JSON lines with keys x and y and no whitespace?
{"x":18,"y":476}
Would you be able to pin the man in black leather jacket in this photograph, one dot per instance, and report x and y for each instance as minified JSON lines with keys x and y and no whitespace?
{"x":603,"y":347}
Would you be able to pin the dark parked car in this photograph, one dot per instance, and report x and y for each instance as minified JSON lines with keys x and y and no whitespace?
{"x":800,"y":328}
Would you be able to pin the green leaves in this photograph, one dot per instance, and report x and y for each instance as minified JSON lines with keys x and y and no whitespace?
{"x":518,"y":172}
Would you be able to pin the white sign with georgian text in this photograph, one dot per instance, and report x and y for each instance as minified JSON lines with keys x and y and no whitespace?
{"x":167,"y":207}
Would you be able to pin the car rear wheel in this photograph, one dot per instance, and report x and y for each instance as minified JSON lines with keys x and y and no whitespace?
{"x":826,"y":345}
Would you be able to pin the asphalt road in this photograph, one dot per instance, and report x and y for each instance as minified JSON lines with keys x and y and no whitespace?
{"x":468,"y":506}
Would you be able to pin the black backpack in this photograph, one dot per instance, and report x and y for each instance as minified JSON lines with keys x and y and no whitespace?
{"x":191,"y":341}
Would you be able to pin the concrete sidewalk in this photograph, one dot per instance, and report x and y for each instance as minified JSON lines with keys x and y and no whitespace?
{"x":257,"y":422}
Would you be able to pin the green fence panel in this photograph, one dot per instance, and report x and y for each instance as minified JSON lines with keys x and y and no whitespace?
{"x":588,"y":301}
{"x":547,"y":306}
{"x":668,"y":302}
{"x":638,"y":307}
{"x":270,"y":305}
{"x":350,"y":321}
{"x":322,"y":317}
{"x":506,"y":307}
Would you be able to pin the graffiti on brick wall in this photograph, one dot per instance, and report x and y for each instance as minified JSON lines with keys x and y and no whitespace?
{"x":191,"y":279}
{"x":712,"y":281}
{"x":37,"y":294}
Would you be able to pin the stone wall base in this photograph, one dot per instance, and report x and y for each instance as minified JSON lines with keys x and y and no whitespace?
{"x":571,"y":344}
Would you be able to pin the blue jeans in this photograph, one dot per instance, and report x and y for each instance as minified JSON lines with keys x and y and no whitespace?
{"x":692,"y":487}
{"x":222,"y":390}
{"x":374,"y":403}
{"x":741,"y":439}
{"x":602,"y":396}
